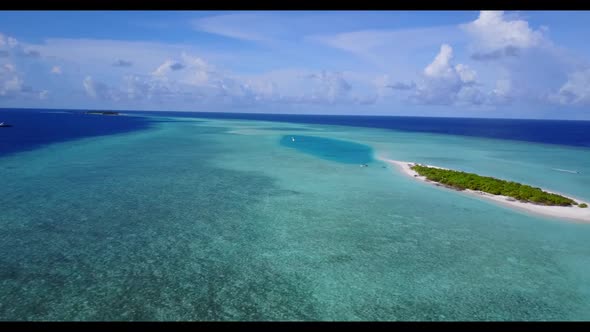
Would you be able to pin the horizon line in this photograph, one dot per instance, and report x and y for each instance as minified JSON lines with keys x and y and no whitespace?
{"x":303,"y":114}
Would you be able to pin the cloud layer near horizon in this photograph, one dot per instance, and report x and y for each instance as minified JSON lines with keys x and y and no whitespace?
{"x":489,"y":62}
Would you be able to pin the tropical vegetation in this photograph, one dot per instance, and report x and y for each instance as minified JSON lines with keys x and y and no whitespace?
{"x":463,"y":180}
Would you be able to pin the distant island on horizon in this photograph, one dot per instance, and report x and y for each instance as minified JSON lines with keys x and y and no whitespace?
{"x":103,"y":112}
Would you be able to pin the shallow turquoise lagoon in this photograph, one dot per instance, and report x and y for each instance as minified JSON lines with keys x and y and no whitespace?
{"x":221,"y":220}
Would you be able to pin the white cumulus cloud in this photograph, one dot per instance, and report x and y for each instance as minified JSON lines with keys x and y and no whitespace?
{"x":495,"y":36}
{"x":10,"y":82}
{"x":43,"y":94}
{"x":7,"y":41}
{"x":99,"y":90}
{"x":167,"y":67}
{"x":576,"y":91}
{"x":446,"y":83}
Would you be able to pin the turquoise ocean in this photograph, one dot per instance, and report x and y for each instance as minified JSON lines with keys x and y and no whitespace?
{"x":204,"y":218}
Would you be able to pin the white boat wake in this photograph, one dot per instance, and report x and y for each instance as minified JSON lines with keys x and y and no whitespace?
{"x":565,"y":170}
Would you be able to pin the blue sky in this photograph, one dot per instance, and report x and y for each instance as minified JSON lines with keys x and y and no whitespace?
{"x":424,"y":63}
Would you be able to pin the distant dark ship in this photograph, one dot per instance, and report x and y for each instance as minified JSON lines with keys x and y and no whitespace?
{"x":2,"y":124}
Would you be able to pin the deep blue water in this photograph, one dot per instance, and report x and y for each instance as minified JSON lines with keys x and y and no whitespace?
{"x":331,"y":149}
{"x":562,"y":132}
{"x":34,"y":128}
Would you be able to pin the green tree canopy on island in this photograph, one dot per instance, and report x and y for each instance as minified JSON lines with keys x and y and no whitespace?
{"x":462,"y":180}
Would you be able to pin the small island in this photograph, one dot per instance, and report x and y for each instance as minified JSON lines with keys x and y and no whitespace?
{"x":508,"y":193}
{"x":102,"y":112}
{"x":463,"y":180}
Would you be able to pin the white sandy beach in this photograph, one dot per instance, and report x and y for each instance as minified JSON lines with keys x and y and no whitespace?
{"x":565,"y":212}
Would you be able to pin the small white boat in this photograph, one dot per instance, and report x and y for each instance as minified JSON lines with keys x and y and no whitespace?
{"x":292,"y":139}
{"x":4,"y":125}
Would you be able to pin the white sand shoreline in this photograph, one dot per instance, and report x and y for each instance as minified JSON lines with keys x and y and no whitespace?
{"x":564,"y":212}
